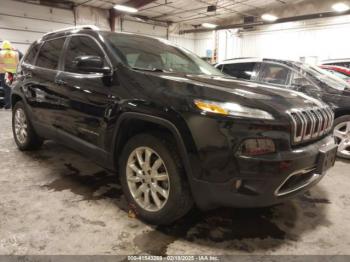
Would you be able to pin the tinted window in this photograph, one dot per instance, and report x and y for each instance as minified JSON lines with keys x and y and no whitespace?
{"x":240,"y":70}
{"x":80,"y":46}
{"x":298,"y":80}
{"x":29,"y":59}
{"x":49,"y":54}
{"x":274,"y":74}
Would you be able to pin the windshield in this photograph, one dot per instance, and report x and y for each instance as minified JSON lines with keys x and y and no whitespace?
{"x":325,"y":77}
{"x":153,"y":54}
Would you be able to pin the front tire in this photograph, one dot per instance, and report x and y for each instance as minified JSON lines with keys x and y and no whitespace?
{"x":153,"y":180}
{"x":23,"y":132}
{"x":341,"y":133}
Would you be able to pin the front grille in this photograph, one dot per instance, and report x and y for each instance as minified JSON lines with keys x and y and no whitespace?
{"x":310,"y":123}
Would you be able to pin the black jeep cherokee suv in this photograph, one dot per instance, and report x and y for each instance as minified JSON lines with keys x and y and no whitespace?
{"x":177,"y":130}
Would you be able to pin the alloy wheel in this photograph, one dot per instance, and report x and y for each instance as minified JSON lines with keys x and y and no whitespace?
{"x":21,"y":126}
{"x":342,"y":136}
{"x":148,"y":179}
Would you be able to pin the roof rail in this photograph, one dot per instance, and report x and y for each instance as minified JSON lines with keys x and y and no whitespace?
{"x":238,"y":58}
{"x":91,"y":27}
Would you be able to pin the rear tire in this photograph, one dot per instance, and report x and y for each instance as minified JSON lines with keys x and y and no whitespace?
{"x":153,"y":180}
{"x":341,"y":131}
{"x":23,"y":132}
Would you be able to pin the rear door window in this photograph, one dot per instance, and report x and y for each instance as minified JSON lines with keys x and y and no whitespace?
{"x":49,"y":54}
{"x":29,"y":58}
{"x":240,"y":70}
{"x":274,"y":74}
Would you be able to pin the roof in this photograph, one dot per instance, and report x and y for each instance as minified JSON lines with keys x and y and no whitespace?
{"x":335,"y":60}
{"x":253,"y":60}
{"x":69,"y":30}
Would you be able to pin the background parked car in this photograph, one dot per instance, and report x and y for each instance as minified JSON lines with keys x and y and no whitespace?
{"x":298,"y":76}
{"x":338,"y":62}
{"x":339,"y":71}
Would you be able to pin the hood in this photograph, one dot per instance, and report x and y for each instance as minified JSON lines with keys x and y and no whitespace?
{"x":279,"y":98}
{"x":6,"y":45}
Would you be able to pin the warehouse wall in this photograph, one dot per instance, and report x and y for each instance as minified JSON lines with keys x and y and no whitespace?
{"x":86,"y":15}
{"x":23,"y":23}
{"x":313,"y":40}
{"x":321,"y":38}
{"x":204,"y":43}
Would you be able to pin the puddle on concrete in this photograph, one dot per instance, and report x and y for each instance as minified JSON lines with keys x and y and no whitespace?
{"x":243,"y":229}
{"x":96,"y":186}
{"x":212,"y":227}
{"x":206,"y":228}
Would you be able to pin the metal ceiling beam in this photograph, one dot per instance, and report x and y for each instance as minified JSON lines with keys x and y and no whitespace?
{"x":51,"y":3}
{"x":113,"y":14}
{"x":261,"y":23}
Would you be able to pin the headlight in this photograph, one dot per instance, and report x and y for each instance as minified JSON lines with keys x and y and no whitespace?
{"x":232,"y":109}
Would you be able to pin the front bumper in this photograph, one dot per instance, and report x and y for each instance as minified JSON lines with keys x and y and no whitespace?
{"x":266,"y":180}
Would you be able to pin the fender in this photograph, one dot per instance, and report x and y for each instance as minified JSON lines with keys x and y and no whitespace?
{"x":160,"y":121}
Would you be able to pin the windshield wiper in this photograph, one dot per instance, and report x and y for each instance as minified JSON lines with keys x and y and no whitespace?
{"x":150,"y":69}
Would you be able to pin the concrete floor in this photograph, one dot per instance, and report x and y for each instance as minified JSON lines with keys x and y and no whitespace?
{"x":53,"y":201}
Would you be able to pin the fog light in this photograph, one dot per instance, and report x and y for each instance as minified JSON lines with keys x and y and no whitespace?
{"x":237,"y":184}
{"x":257,"y":146}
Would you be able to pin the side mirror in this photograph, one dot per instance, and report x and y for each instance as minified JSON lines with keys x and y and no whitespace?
{"x":90,"y":64}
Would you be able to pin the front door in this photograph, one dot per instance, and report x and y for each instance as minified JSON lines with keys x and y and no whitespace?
{"x":88,"y":95}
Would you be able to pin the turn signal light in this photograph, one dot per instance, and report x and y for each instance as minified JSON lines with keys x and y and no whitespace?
{"x":211,"y":107}
{"x":258,"y":146}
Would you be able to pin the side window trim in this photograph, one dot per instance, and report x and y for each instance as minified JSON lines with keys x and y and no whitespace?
{"x":63,"y":55}
{"x":66,"y":45}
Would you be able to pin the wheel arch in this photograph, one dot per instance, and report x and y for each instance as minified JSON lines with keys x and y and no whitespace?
{"x":15,"y":98}
{"x":126,"y":123}
{"x":339,"y":112}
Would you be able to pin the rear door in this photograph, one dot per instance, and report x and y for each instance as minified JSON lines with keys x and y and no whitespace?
{"x":88,"y":94}
{"x":39,"y":81}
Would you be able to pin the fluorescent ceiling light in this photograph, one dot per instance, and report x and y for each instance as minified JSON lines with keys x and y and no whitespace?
{"x":340,"y":7}
{"x":269,"y":17}
{"x":125,"y":8}
{"x":208,"y":25}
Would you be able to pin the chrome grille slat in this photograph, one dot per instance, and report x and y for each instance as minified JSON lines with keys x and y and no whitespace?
{"x":320,"y":122}
{"x":310,"y":123}
{"x":328,"y":119}
{"x":331,"y":118}
{"x":324,"y":121}
{"x":303,"y":124}
{"x":317,"y":123}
